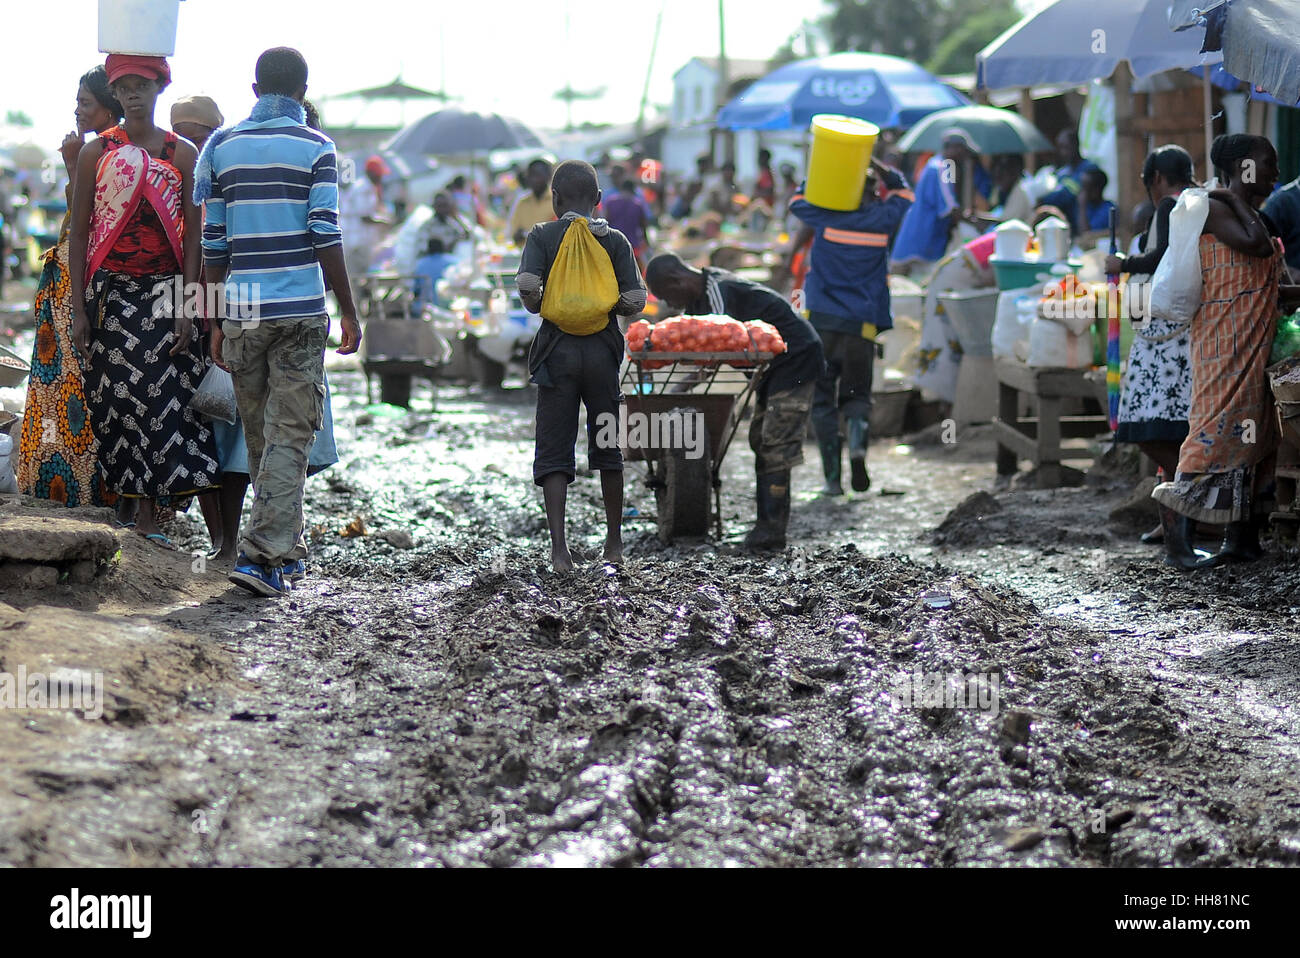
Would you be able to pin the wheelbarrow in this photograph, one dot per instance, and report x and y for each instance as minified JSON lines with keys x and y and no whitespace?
{"x":682,"y":411}
{"x":400,"y":339}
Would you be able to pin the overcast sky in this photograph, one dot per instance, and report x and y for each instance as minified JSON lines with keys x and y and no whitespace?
{"x":504,"y":55}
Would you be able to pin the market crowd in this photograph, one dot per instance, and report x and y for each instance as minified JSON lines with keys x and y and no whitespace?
{"x":265,"y":205}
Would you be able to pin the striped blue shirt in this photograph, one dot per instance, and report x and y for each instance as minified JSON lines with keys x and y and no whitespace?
{"x":275,"y":202}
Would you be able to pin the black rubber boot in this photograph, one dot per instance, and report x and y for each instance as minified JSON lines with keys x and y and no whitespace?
{"x":768,"y":534}
{"x":859,"y":432}
{"x":1240,"y":544}
{"x":832,"y":464}
{"x":1180,"y":531}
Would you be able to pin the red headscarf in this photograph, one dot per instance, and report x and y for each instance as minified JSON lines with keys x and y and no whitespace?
{"x":151,"y":68}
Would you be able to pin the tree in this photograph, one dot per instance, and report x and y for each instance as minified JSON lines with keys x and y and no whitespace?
{"x":18,"y":118}
{"x":903,"y":28}
{"x":940,"y":33}
{"x":956,"y":52}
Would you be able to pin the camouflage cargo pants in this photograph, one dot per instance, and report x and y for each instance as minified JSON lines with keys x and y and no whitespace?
{"x":777,"y":431}
{"x":278,"y":368}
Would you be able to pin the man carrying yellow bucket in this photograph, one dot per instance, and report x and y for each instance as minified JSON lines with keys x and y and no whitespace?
{"x":855,"y":204}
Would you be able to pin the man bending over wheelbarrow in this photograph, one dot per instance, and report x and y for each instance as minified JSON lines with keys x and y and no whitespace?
{"x":784,"y":397}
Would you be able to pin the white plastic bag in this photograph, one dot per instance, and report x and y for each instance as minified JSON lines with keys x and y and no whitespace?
{"x":1041,"y":183}
{"x":1176,"y":285}
{"x":215,"y":397}
{"x":1051,"y":344}
{"x":1016,"y":309}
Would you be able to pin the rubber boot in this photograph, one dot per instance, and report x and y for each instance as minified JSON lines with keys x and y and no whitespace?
{"x":1179,"y":533}
{"x":1240,"y":544}
{"x":832,"y":463}
{"x":859,"y":432}
{"x":768,"y":534}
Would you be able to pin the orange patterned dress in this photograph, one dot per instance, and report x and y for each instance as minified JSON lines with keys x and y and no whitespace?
{"x":1232,"y":430}
{"x":57,"y":452}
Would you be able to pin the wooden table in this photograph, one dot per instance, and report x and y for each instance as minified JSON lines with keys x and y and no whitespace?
{"x":1040,"y":439}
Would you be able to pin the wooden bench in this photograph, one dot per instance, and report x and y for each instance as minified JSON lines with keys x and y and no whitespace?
{"x":1040,"y":439}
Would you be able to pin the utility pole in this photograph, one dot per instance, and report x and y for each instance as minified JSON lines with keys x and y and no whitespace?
{"x":724,"y":82}
{"x":723,"y":72}
{"x":645,"y":90}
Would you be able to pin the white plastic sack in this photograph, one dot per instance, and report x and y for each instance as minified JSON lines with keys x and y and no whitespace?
{"x":215,"y":397}
{"x":8,"y":482}
{"x":1176,"y":285}
{"x":1051,"y":344}
{"x":1015,"y":313}
{"x":1041,"y":183}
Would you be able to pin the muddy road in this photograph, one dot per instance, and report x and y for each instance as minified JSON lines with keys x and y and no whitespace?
{"x":433,"y":695}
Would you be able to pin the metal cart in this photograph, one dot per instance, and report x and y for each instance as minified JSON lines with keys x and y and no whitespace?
{"x":714,"y":387}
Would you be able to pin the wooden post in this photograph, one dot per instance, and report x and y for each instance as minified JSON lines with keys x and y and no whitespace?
{"x":1129,"y":150}
{"x":1027,"y":111}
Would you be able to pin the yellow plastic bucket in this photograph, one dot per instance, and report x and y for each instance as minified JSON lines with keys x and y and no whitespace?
{"x":837,"y":168}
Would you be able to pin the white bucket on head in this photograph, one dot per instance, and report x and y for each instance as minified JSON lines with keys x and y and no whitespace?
{"x":142,"y":27}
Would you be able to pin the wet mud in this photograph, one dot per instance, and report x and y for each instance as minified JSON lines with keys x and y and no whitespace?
{"x":433,"y":695}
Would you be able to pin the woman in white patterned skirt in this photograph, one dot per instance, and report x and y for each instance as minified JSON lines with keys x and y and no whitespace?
{"x":1157,"y":389}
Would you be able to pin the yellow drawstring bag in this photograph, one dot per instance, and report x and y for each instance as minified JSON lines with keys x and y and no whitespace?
{"x":581,"y":287}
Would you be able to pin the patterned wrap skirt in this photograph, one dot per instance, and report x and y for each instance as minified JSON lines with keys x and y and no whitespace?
{"x":1232,"y":433}
{"x":57,"y":452}
{"x":151,"y":443}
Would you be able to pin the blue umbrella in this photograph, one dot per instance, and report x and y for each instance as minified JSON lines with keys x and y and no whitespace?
{"x":884,"y":90}
{"x":1074,"y":41}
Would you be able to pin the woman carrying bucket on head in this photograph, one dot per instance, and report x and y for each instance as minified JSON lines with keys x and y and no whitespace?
{"x":846,"y":295}
{"x":135,"y":236}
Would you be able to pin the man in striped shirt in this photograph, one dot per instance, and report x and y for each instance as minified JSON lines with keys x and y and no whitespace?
{"x":271,"y":235}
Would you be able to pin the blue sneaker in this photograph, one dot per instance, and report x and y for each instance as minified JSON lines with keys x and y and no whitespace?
{"x":258,"y":579}
{"x":293,"y":571}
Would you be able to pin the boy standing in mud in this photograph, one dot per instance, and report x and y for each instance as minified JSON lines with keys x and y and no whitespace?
{"x":783,"y":402}
{"x":569,"y":368}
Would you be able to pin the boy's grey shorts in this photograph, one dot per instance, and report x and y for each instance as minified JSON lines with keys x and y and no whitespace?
{"x":580,"y":369}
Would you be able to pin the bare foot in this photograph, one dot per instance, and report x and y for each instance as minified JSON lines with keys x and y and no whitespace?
{"x":561,"y":561}
{"x":614,"y":551}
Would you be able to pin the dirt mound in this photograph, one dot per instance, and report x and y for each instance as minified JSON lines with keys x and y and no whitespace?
{"x":1138,"y":512}
{"x":82,"y":560}
{"x":1042,"y":517}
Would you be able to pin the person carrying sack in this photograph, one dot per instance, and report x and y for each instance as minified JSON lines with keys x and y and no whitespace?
{"x":580,"y":275}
